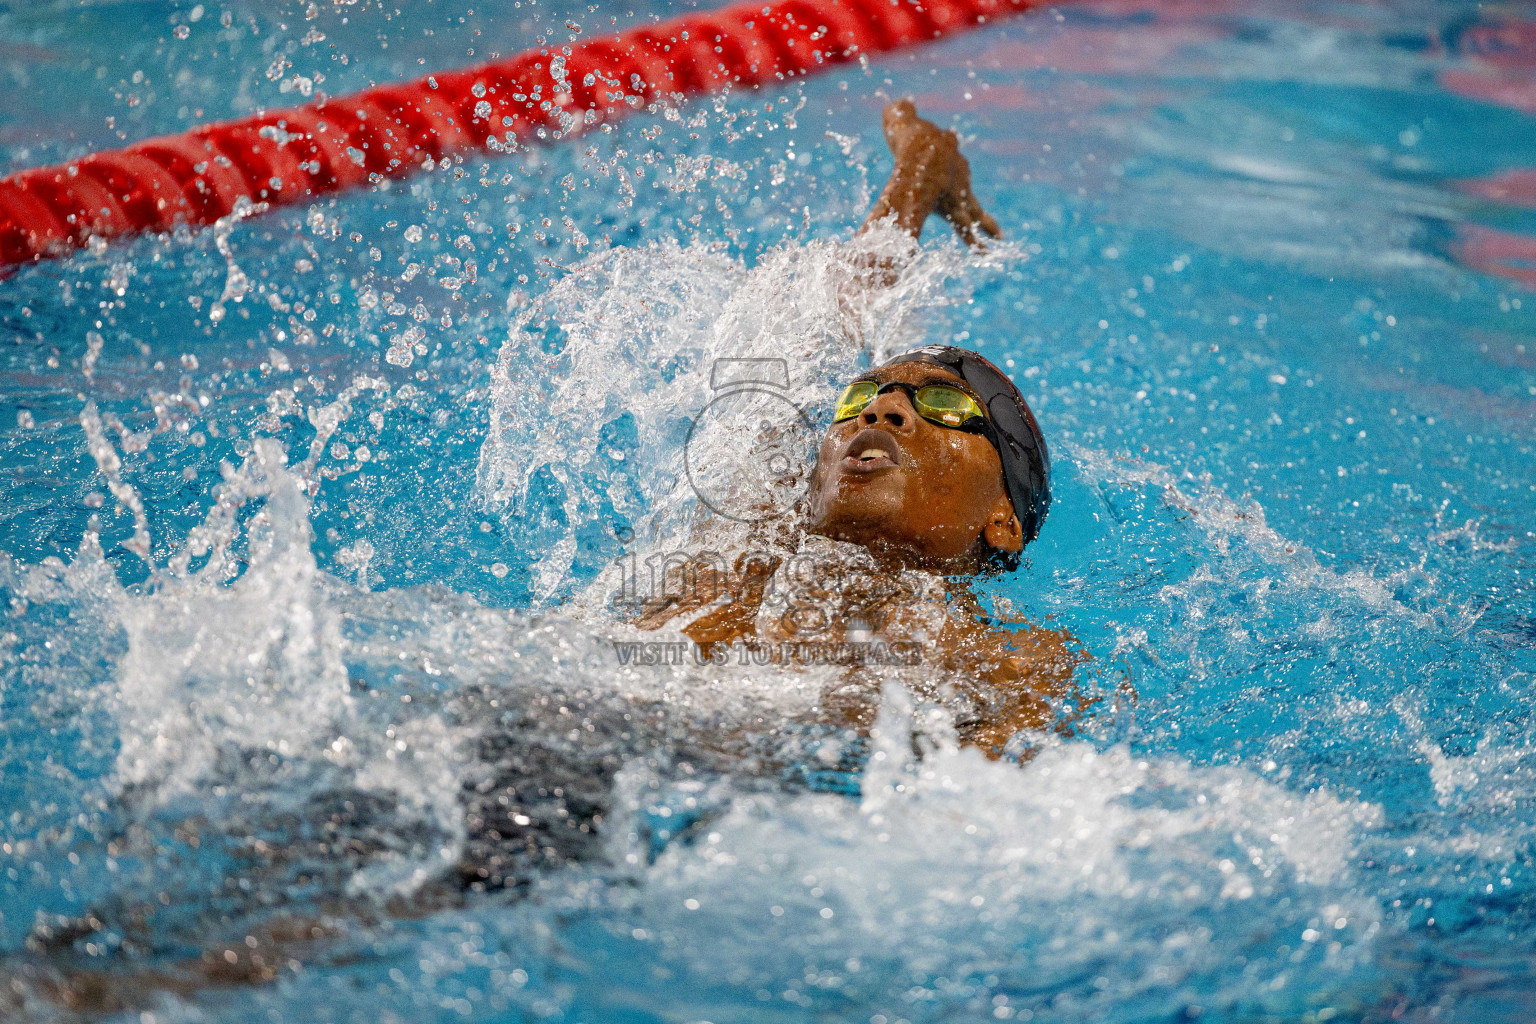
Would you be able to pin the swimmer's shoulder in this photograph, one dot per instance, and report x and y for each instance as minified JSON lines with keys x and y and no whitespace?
{"x":1038,"y":657}
{"x":1043,"y":651}
{"x":714,"y":603}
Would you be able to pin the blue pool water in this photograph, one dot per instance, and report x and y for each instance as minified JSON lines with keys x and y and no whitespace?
{"x":1270,"y":285}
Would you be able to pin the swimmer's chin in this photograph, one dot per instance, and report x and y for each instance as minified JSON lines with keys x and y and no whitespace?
{"x":869,"y":523}
{"x":894,"y":551}
{"x":865,"y":506}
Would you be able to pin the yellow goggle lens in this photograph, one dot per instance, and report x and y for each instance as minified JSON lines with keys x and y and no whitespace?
{"x":854,"y":398}
{"x":948,"y":406}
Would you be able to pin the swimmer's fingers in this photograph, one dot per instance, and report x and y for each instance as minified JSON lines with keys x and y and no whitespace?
{"x":985,"y":220}
{"x":961,"y":208}
{"x":969,"y":209}
{"x":970,"y":217}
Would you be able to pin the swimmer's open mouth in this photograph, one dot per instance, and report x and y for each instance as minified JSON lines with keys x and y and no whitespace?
{"x":871,"y":449}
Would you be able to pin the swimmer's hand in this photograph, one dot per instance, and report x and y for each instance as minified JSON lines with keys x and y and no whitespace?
{"x":931,"y":176}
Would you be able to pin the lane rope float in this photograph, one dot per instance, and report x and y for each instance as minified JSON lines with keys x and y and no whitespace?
{"x":284,"y":157}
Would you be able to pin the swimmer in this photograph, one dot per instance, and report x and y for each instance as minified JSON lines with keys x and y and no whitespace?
{"x":935,"y":466}
{"x":933,"y":473}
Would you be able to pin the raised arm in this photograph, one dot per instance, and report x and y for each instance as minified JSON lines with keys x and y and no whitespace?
{"x":930,"y":176}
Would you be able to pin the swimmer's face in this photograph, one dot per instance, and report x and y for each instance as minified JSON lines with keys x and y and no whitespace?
{"x":894,"y":482}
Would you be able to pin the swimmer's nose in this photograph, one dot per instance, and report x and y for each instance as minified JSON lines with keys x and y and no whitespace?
{"x":892,"y":411}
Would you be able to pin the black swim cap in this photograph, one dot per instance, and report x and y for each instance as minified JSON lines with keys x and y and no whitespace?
{"x":1026,"y":464}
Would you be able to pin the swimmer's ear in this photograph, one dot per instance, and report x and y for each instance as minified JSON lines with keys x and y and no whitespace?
{"x":1003,"y":532}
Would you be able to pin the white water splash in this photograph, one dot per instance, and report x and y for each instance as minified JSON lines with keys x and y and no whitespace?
{"x":327,"y":418}
{"x":111,"y":467}
{"x":93,"y":344}
{"x":1084,"y":862}
{"x":234,"y":677}
{"x":236,"y":284}
{"x":256,"y":661}
{"x":602,"y":386}
{"x":1226,"y":522}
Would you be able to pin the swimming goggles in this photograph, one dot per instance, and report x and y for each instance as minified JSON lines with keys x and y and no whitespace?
{"x":937,"y":403}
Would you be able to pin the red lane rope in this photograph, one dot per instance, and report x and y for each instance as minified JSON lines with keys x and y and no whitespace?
{"x":290,"y":156}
